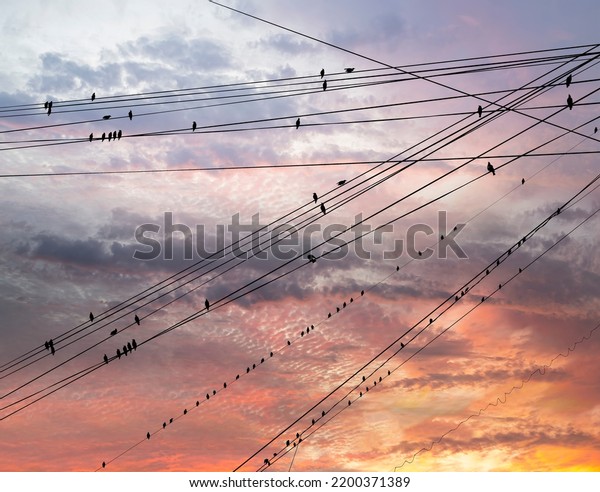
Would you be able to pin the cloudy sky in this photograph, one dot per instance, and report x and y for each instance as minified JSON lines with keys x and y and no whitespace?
{"x":80,"y":235}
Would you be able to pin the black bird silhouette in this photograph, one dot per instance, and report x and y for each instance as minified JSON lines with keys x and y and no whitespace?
{"x":46,"y":105}
{"x":297,"y":123}
{"x":119,"y":135}
{"x":106,"y":117}
{"x":344,"y":305}
{"x":125,"y":350}
{"x":91,"y":317}
{"x":103,"y":464}
{"x":570,"y":102}
{"x":479,"y":110}
{"x":130,"y":114}
{"x":207,"y":304}
{"x":194,"y":126}
{"x":113,"y":333}
{"x":569,"y":80}
{"x":103,"y":136}
{"x":50,"y":105}
{"x":491,"y":169}
{"x":47,"y":345}
{"x":51,"y":343}
{"x":349,"y":70}
{"x":323,"y":208}
{"x":322,"y":72}
{"x":109,"y":136}
{"x":105,"y":359}
{"x":148,"y":435}
{"x":337,"y":309}
{"x":164,"y":425}
{"x":119,"y":353}
{"x":362,"y":292}
{"x":595,"y":129}
{"x":342,"y":182}
{"x":91,"y":137}
{"x":430,"y":320}
{"x":402,"y":345}
{"x":315,"y":197}
{"x":49,"y":110}
{"x":93,"y":96}
{"x":312,"y":258}
{"x":523,"y":181}
{"x":129,"y":347}
{"x":324,"y":85}
{"x":134,"y":344}
{"x":137,"y":319}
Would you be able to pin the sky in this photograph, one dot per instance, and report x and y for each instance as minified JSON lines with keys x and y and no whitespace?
{"x":490,"y":372}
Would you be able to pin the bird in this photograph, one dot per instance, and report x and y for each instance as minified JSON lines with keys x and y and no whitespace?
{"x":129,"y":347}
{"x":315,"y":197}
{"x":324,"y":85}
{"x":134,"y":344}
{"x":362,"y":292}
{"x":113,"y":333}
{"x":185,"y":411}
{"x":93,"y":96}
{"x":349,"y":70}
{"x":323,"y":208}
{"x":312,"y":258}
{"x":344,"y":305}
{"x":491,"y":169}
{"x":51,"y":344}
{"x":164,"y":425}
{"x":46,"y":105}
{"x":569,"y":80}
{"x":105,"y":359}
{"x":119,"y":135}
{"x":130,"y":114}
{"x":479,"y":110}
{"x":523,"y":181}
{"x":119,"y":353}
{"x":322,"y":72}
{"x":47,"y":345}
{"x":137,"y":319}
{"x":148,"y":435}
{"x":50,"y":105}
{"x":194,"y":126}
{"x":125,"y":350}
{"x":103,"y":136}
{"x":207,"y":304}
{"x":49,"y":110}
{"x":595,"y":129}
{"x":106,"y":117}
{"x":91,"y":317}
{"x":103,"y":464}
{"x":109,"y":136}
{"x":91,"y":137}
{"x":570,"y":102}
{"x":342,"y":182}
{"x":297,"y":123}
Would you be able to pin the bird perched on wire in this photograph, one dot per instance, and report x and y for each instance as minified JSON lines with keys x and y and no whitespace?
{"x":479,"y":110}
{"x":342,"y":182}
{"x":312,"y":258}
{"x":349,"y":70}
{"x":137,"y":319}
{"x":194,"y":126}
{"x":569,"y":80}
{"x":491,"y":169}
{"x":93,"y":96}
{"x":119,"y":135}
{"x":109,"y":136}
{"x":91,"y":137}
{"x":134,"y":344}
{"x":105,"y":359}
{"x":570,"y":102}
{"x":103,"y":136}
{"x":315,"y":197}
{"x":322,"y":72}
{"x":323,"y":208}
{"x":324,"y":85}
{"x":207,"y":304}
{"x":91,"y":317}
{"x":106,"y":117}
{"x":113,"y":333}
{"x":51,"y":344}
{"x":297,"y":123}
{"x":130,"y":114}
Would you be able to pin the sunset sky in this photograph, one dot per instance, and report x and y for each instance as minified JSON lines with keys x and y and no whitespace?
{"x":68,"y":244}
